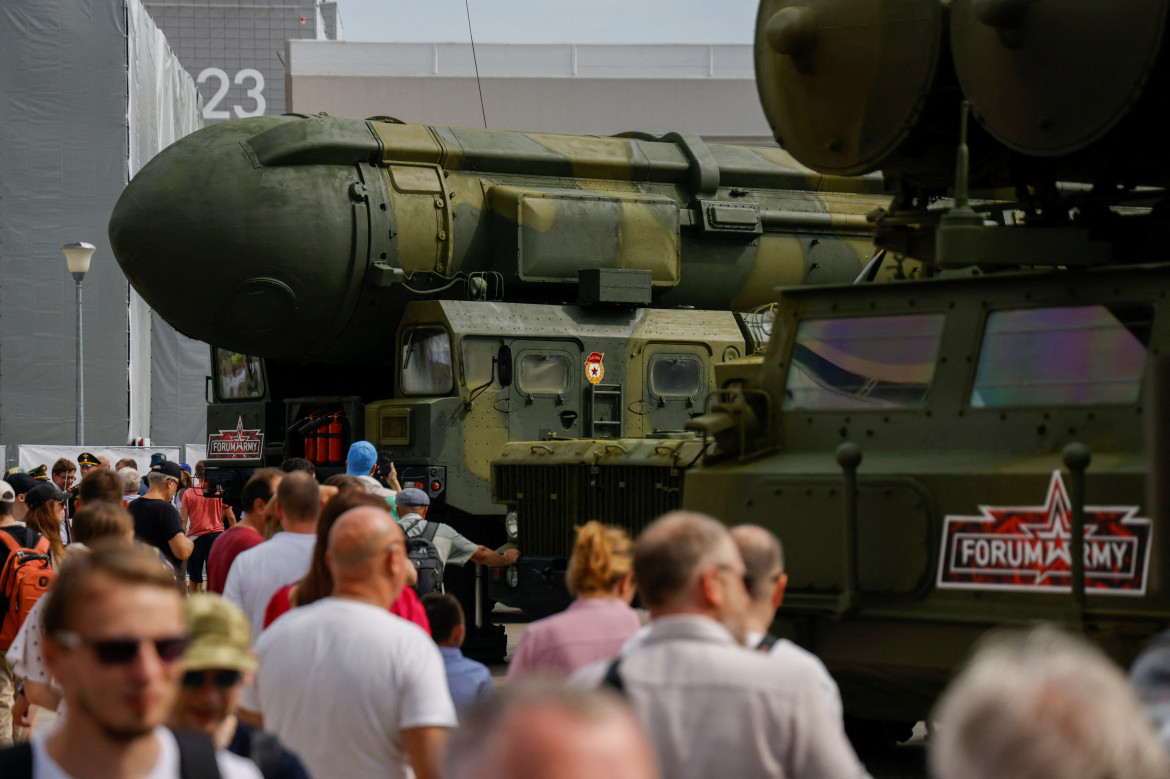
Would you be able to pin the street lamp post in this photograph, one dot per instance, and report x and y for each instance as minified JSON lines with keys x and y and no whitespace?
{"x":77,"y":256}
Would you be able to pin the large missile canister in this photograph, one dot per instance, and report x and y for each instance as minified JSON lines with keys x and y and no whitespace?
{"x":1077,"y":79}
{"x":1060,"y":91}
{"x":302,"y":237}
{"x":851,"y":88}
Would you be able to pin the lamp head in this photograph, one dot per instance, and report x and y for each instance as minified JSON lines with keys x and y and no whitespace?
{"x":77,"y":256}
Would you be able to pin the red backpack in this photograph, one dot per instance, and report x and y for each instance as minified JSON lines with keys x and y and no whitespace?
{"x":26,"y":576}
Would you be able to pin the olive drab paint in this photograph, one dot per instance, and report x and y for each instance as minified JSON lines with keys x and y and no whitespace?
{"x":978,"y":446}
{"x":328,"y":227}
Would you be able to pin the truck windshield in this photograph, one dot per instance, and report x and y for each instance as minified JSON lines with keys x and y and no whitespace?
{"x":240,"y":376}
{"x":863,"y":362}
{"x":1071,"y":356}
{"x":426,"y":361}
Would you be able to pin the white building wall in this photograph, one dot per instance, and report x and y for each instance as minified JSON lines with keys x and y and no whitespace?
{"x":570,"y":88}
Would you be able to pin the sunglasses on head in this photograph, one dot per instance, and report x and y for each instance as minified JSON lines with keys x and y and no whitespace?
{"x":118,"y":651}
{"x":223,"y":678}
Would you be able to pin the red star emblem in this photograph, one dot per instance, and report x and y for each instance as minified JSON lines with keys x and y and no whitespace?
{"x":238,"y":444}
{"x":1027,"y":547}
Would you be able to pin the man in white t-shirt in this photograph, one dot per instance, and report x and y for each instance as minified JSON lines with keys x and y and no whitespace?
{"x":259,"y":572}
{"x":114,"y":634}
{"x":356,"y":691}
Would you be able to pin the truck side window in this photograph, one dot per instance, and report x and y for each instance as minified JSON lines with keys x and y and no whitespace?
{"x":240,"y":376}
{"x":675,"y":375}
{"x":538,"y":373}
{"x":426,"y":361}
{"x":1071,"y":356}
{"x":863,"y":362}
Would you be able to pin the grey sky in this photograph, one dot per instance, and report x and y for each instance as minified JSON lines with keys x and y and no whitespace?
{"x":551,"y":21}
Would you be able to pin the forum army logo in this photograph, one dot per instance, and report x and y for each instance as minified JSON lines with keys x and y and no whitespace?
{"x":238,"y":444}
{"x":1028,"y":548}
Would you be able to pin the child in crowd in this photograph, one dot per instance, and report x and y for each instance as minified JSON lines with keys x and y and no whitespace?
{"x":467,"y":679}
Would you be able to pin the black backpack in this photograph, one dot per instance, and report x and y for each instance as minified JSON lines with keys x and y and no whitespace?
{"x":422,"y":552}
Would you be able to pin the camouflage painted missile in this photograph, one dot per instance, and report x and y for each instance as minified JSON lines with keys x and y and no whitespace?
{"x":302,"y":237}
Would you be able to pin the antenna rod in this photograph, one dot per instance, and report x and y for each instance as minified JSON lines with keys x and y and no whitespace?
{"x":474,"y":59}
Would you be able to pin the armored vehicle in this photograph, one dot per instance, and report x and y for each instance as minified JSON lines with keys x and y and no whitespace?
{"x":440,"y":291}
{"x":969,"y":448}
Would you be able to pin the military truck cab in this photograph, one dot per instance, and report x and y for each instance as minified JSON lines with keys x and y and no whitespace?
{"x":261,"y":411}
{"x":472,"y":376}
{"x":932,"y":453}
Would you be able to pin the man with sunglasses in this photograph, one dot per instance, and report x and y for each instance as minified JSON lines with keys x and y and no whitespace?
{"x":711,"y":706}
{"x":114,"y":634}
{"x":216,"y":665}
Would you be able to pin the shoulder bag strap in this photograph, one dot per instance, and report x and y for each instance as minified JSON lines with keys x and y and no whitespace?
{"x":766,"y":643}
{"x":10,"y":542}
{"x":196,"y":756}
{"x":264,"y":750}
{"x":430,"y":530}
{"x":613,"y":677}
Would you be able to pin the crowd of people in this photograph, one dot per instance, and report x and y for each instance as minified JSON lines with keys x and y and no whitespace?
{"x":309,"y":652}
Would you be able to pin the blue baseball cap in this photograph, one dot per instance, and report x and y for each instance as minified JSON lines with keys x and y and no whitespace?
{"x":360,"y":459}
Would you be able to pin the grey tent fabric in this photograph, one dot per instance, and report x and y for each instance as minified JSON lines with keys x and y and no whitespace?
{"x":89,"y":92}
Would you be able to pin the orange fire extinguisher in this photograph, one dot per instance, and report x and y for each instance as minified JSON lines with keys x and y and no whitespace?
{"x":333,"y":431}
{"x":311,"y":440}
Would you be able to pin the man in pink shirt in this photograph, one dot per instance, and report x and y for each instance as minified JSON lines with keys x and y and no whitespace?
{"x":246,"y":533}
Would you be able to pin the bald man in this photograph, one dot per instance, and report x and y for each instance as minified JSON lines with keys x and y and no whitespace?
{"x":549,"y":730}
{"x":354,"y":690}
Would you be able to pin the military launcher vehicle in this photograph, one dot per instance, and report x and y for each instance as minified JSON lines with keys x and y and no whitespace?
{"x":970,"y":448}
{"x":441,"y":291}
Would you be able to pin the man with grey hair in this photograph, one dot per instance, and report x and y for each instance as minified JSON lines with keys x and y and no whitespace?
{"x":765,"y":580}
{"x":549,"y":729}
{"x":713,"y":707}
{"x":1042,"y":703}
{"x":130,"y":481}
